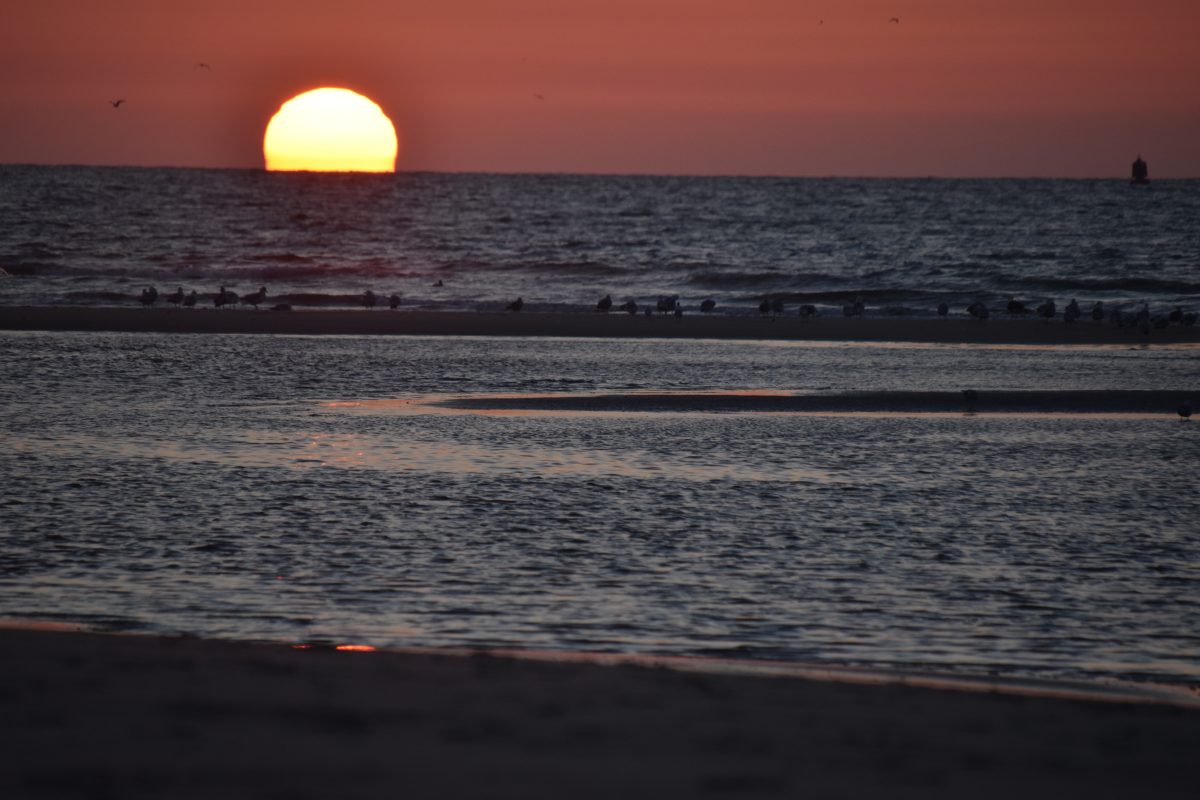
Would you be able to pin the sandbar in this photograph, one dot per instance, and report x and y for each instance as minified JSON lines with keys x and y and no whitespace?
{"x":92,"y":715}
{"x":582,"y":324}
{"x":1004,"y":401}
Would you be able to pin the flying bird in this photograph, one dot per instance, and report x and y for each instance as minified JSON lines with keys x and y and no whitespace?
{"x":895,"y":20}
{"x":116,"y":103}
{"x":202,"y":65}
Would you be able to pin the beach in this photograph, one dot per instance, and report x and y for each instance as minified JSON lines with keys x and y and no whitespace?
{"x":87,"y":715}
{"x":583,"y":324}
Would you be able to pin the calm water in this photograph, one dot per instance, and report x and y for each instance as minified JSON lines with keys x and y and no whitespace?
{"x":97,"y":236}
{"x":240,"y":486}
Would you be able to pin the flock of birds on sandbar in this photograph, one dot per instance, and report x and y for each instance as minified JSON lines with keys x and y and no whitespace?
{"x":771,"y":306}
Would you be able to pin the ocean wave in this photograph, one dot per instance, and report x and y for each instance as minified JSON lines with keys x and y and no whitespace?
{"x":734,"y":280}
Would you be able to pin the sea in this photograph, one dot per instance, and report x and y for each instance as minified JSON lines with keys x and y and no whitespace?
{"x":99,"y":236}
{"x":321,"y":490}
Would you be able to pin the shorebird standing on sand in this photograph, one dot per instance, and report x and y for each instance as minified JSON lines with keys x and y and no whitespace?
{"x":1098,"y":311}
{"x":605,"y":303}
{"x":149,"y":295}
{"x":1072,"y":312}
{"x":368,"y":299}
{"x":256,"y":298}
{"x":943,"y":309}
{"x":1047,"y":310}
{"x":708,"y":305}
{"x":516,"y":305}
{"x":1185,"y":411}
{"x":394,"y":302}
{"x":190,"y":300}
{"x":629,"y":307}
{"x":175,"y":297}
{"x":225,"y":298}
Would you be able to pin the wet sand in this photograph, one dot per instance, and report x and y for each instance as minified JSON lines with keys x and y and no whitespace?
{"x":583,"y":324}
{"x":983,"y":402}
{"x":85,"y":715}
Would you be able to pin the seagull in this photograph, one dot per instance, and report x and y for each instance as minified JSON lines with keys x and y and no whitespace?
{"x":708,"y":305}
{"x":1072,"y":312}
{"x":149,"y":295}
{"x":1016,"y":307}
{"x":1185,"y":411}
{"x":777,"y":305}
{"x":1176,"y":314}
{"x":516,"y":305}
{"x":807,"y":310}
{"x":629,"y":307}
{"x":368,"y":299}
{"x":190,"y":300}
{"x":1098,"y":311}
{"x":176,"y":297}
{"x":256,"y":298}
{"x":394,"y":302}
{"x":116,"y":103}
{"x":978,"y":310}
{"x":765,"y":306}
{"x":605,"y":303}
{"x":1047,"y":310}
{"x":225,"y":298}
{"x":943,"y":309}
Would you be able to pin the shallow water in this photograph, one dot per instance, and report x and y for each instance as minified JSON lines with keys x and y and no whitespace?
{"x":239,"y":486}
{"x":97,"y":235}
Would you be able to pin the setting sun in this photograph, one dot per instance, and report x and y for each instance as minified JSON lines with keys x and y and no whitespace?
{"x":330,"y":130}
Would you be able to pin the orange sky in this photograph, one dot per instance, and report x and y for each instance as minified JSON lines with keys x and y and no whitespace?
{"x":1069,"y":88}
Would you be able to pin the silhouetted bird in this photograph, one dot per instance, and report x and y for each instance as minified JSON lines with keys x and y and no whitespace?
{"x":190,"y":300}
{"x":978,"y":310}
{"x":1185,"y":411}
{"x":765,"y":306}
{"x":438,"y":283}
{"x":116,"y":103}
{"x":1072,"y":312}
{"x":1016,"y":307}
{"x":1047,"y":310}
{"x":667,"y":304}
{"x":943,"y":309}
{"x":225,"y":298}
{"x":894,"y":20}
{"x":1176,"y":314}
{"x":516,"y":305}
{"x":368,"y":299}
{"x":629,"y":307}
{"x":175,"y":297}
{"x":807,"y":310}
{"x":149,"y":295}
{"x":605,"y":303}
{"x":708,"y":305}
{"x":1098,"y":311}
{"x":202,"y":65}
{"x":777,"y":305}
{"x":394,"y":302}
{"x":255,"y":298}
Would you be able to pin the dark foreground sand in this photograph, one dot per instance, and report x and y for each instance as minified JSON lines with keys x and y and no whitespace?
{"x":85,"y":715}
{"x":692,"y":326}
{"x":1005,"y":401}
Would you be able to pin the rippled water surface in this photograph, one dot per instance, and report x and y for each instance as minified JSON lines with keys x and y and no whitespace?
{"x":249,"y":486}
{"x":99,"y":235}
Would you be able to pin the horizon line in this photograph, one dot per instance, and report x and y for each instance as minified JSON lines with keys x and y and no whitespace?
{"x":585,"y":173}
